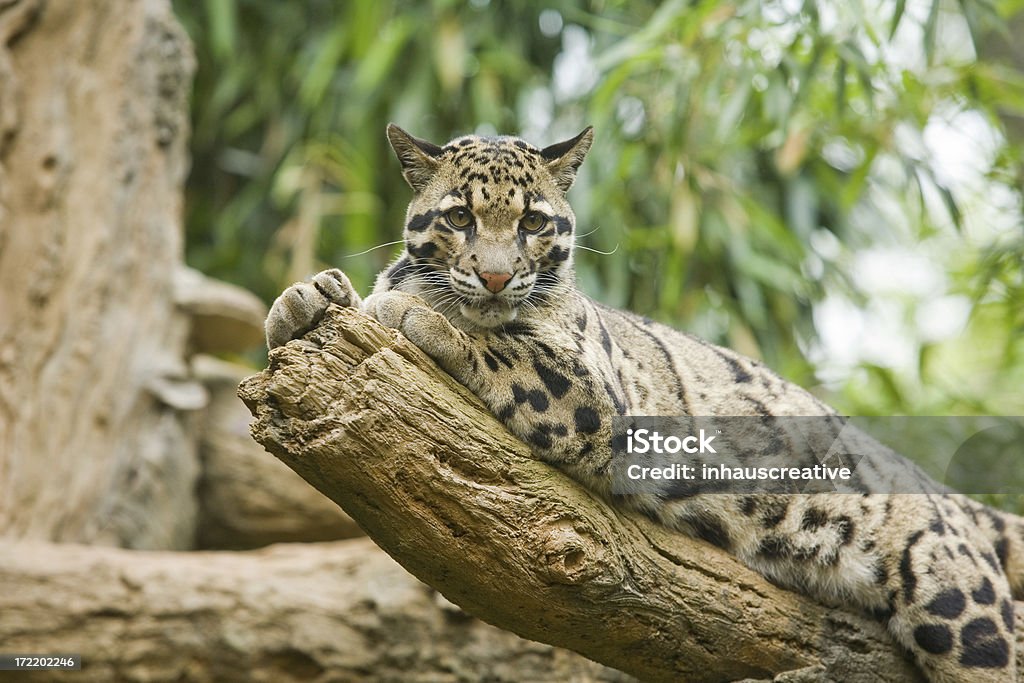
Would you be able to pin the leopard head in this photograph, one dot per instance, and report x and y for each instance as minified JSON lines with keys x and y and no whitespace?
{"x":489,"y":232}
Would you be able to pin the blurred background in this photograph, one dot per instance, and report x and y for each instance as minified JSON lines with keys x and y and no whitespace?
{"x":833,"y":187}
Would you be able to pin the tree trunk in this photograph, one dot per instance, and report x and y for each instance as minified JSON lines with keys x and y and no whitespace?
{"x":316,"y":612}
{"x":440,"y":485}
{"x":93,"y":383}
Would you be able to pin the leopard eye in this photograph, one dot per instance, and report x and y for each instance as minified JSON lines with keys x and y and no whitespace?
{"x":533,"y":221}
{"x":459,"y":217}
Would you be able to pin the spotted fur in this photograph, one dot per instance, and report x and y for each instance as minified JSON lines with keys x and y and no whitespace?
{"x":491,"y":297}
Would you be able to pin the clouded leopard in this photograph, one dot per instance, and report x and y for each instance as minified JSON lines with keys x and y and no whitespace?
{"x":485,"y":286}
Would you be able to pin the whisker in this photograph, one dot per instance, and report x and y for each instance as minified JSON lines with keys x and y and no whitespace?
{"x":598,"y":251}
{"x":437,"y":263}
{"x":379,"y":246}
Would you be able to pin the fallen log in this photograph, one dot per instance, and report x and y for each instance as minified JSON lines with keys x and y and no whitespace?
{"x":340,"y":611}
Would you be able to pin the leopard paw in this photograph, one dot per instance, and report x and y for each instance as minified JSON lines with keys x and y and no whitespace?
{"x":391,"y":308}
{"x":422,"y":325}
{"x":302,"y":306}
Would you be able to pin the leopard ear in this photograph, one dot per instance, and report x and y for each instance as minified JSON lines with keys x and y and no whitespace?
{"x":564,"y":158}
{"x":418,"y":157}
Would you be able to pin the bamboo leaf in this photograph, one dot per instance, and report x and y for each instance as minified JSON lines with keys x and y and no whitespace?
{"x":223,"y":21}
{"x":897,"y":15}
{"x":930,"y":30}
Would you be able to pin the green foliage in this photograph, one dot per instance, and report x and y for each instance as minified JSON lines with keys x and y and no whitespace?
{"x":750,"y":156}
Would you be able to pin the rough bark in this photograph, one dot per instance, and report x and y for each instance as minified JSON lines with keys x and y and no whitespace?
{"x":315,"y":612}
{"x":247,"y":500}
{"x":94,"y":445}
{"x":440,"y":485}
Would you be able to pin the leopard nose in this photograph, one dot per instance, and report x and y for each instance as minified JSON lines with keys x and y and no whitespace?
{"x":495,"y":282}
